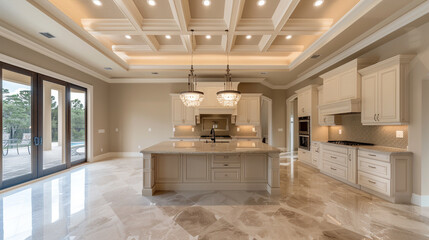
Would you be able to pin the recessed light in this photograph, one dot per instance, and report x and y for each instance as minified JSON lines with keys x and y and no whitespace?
{"x":261,"y":2}
{"x":207,"y":3}
{"x":108,"y":68}
{"x":168,"y":36}
{"x":127,"y":36}
{"x":248,"y":36}
{"x":208,"y":37}
{"x":97,"y":2}
{"x":288,"y":36}
{"x":151,"y":2}
{"x":318,"y":3}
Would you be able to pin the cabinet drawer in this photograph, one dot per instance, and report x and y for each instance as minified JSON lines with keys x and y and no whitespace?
{"x":314,"y":161}
{"x":375,"y":183}
{"x":304,"y":156}
{"x":328,"y":147}
{"x":335,"y":158}
{"x":335,"y":169}
{"x":226,"y":161}
{"x":378,"y":168}
{"x":372,"y":155}
{"x":226,"y":175}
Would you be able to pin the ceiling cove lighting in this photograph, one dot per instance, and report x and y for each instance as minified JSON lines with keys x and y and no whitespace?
{"x":97,"y":2}
{"x":127,"y":36}
{"x":207,"y":3}
{"x":261,"y":3}
{"x":317,"y":3}
{"x":248,"y":36}
{"x":288,"y":37}
{"x":228,"y":97}
{"x":192,"y":98}
{"x":208,"y":37}
{"x":151,"y":2}
{"x":168,"y":36}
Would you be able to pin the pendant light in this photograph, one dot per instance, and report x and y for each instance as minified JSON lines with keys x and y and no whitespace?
{"x":228,"y":97}
{"x":192,"y":98}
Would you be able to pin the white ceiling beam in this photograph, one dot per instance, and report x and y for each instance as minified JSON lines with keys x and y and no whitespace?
{"x":181,"y":13}
{"x":131,"y":48}
{"x":106,"y":24}
{"x":130,"y":10}
{"x":283,"y":11}
{"x":232,"y":15}
{"x":151,"y":42}
{"x":286,"y":48}
{"x":186,"y":41}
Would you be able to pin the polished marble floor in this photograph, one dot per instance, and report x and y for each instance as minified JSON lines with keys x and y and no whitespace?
{"x":103,"y":201}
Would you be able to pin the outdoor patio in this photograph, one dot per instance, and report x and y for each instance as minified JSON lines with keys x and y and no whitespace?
{"x":15,"y":164}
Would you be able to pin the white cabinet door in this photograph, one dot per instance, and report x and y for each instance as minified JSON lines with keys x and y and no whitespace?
{"x":189,"y":115}
{"x":196,"y":168}
{"x":168,"y":168}
{"x":254,"y":111}
{"x":304,"y":104}
{"x":254,"y":168}
{"x":241,"y":112}
{"x":348,"y":85}
{"x":369,"y":98}
{"x":330,"y":90}
{"x":388,"y":95}
{"x":352,"y":166}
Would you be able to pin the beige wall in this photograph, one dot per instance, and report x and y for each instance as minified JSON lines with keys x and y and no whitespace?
{"x":100,"y":108}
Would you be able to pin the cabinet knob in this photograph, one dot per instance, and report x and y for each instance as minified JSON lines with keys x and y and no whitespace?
{"x":226,"y":175}
{"x":225,"y":165}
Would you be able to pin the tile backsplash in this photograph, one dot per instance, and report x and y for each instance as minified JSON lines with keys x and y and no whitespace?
{"x":353,"y":130}
{"x":245,"y":131}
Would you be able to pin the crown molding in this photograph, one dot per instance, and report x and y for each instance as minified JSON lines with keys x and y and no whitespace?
{"x":349,"y":49}
{"x":183,"y":80}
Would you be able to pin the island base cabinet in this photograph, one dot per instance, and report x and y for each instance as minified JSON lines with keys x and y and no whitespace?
{"x":257,"y":171}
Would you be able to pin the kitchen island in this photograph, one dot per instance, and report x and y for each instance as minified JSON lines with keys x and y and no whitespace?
{"x":189,"y":165}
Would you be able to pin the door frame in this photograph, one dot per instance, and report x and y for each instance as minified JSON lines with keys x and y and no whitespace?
{"x":34,"y":109}
{"x":270,"y":117}
{"x":289,"y":111}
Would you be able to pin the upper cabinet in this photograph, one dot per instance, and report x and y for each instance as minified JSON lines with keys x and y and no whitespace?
{"x":307,"y":99}
{"x":249,"y":110}
{"x":342,"y":88}
{"x":385,"y":92}
{"x":181,"y":115}
{"x":326,"y":120}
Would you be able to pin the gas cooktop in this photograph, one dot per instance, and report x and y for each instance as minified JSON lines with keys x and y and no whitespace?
{"x":351,"y":143}
{"x":217,"y":136}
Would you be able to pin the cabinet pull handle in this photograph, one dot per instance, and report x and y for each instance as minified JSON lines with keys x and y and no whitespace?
{"x":372,"y":155}
{"x":225,"y":165}
{"x":226,"y":175}
{"x":372,"y":182}
{"x":333,"y":169}
{"x":333,"y":157}
{"x":374,"y":117}
{"x":378,"y":117}
{"x":371,"y":166}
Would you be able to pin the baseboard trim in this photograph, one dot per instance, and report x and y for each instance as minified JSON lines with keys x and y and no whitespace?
{"x":111,"y":155}
{"x":420,"y":200}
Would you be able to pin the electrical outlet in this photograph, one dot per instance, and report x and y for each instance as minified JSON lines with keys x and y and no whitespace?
{"x":116,"y":129}
{"x":399,"y":134}
{"x":149,"y":129}
{"x":101,"y":131}
{"x":253,"y":129}
{"x":193,"y":129}
{"x":139,"y":147}
{"x":238,"y":129}
{"x":340,"y":131}
{"x":280,"y":129}
{"x":174,"y":129}
{"x":101,"y":150}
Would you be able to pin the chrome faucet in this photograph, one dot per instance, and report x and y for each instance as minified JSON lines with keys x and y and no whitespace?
{"x":213,"y":133}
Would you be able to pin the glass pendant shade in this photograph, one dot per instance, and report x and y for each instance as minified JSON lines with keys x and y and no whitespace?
{"x":192,"y":98}
{"x":228,"y":97}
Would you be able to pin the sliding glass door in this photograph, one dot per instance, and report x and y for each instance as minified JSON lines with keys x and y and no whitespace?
{"x":18,"y":111}
{"x":44,"y":125}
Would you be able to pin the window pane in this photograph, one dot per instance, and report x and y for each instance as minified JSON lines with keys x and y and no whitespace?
{"x":16,"y":119}
{"x":78,"y":131}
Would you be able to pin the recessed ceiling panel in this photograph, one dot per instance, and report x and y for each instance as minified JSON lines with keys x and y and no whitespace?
{"x":215,"y":10}
{"x":80,"y":9}
{"x":122,"y":40}
{"x":334,"y":9}
{"x":242,"y":40}
{"x":161,"y":10}
{"x":175,"y":40}
{"x":214,"y":40}
{"x":252,"y":10}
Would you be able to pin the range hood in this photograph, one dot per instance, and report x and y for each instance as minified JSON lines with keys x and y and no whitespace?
{"x":341,"y":107}
{"x":210,"y":105}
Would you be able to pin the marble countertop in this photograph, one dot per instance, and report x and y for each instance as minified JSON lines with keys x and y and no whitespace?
{"x":376,"y":148}
{"x":190,"y":147}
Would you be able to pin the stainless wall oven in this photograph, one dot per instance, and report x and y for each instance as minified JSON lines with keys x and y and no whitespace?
{"x":304,"y":142}
{"x":304,"y":126}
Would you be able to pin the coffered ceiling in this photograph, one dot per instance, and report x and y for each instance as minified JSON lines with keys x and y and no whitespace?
{"x":134,"y":40}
